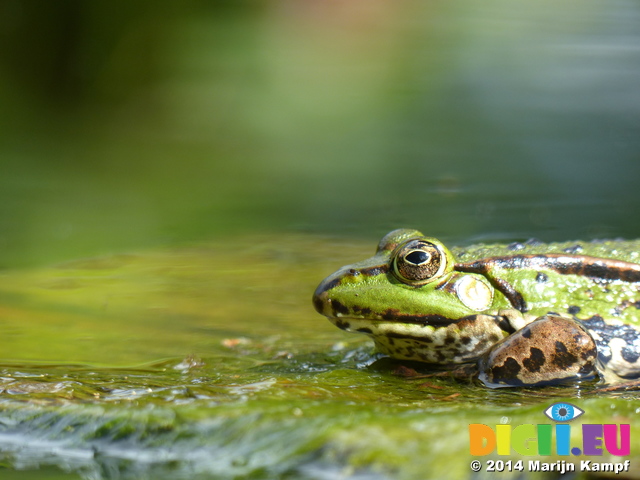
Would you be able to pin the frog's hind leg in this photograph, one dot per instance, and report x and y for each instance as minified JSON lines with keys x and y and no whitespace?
{"x":550,"y":349}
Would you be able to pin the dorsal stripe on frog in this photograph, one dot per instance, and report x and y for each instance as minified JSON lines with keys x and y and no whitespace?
{"x":603,"y":268}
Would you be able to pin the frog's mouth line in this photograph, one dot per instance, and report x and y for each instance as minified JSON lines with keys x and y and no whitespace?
{"x":336,"y":312}
{"x":369,"y":326}
{"x":391,"y":316}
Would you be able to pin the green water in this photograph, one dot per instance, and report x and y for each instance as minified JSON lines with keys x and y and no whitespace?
{"x":176,"y":178}
{"x":182,"y":363}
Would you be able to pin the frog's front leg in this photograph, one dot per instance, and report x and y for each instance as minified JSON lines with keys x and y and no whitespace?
{"x":548,"y":350}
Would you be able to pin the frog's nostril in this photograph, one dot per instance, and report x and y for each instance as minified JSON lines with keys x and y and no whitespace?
{"x":354,"y":272}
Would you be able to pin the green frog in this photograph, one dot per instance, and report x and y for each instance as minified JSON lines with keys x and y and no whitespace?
{"x":528,"y":313}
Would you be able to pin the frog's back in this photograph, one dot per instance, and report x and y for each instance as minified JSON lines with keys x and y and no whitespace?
{"x":603,"y":295}
{"x":586,"y":280}
{"x":625,"y":250}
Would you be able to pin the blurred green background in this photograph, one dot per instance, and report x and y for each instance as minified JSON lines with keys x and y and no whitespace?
{"x":126,"y":125}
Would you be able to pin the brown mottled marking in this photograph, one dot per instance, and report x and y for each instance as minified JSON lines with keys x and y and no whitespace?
{"x":535,"y":362}
{"x":318,"y":304}
{"x":343,"y":325}
{"x":505,"y":371}
{"x":563,"y":358}
{"x":377,"y":270}
{"x":542,"y":278}
{"x":338,"y":307}
{"x":494,"y":337}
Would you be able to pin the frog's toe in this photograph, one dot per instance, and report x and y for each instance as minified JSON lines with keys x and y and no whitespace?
{"x":550,"y":349}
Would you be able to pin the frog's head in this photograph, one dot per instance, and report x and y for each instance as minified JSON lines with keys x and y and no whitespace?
{"x":410,"y":292}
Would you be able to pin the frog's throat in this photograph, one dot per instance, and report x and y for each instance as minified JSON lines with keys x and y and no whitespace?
{"x":604,"y":269}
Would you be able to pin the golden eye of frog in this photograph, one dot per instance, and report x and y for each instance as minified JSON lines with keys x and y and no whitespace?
{"x":527,"y":313}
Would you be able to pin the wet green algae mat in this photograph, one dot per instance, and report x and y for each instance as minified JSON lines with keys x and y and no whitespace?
{"x":208,"y":361}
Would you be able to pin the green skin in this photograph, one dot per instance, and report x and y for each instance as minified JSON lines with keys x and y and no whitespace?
{"x":478,"y":304}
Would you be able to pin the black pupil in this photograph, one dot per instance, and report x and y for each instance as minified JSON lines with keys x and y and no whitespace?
{"x":417,"y":257}
{"x":562,"y":412}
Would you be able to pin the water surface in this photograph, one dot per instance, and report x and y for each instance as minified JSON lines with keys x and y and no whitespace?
{"x":185,"y":363}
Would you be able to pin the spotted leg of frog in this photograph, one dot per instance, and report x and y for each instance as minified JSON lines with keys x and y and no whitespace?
{"x":547,"y":350}
{"x":529,"y":314}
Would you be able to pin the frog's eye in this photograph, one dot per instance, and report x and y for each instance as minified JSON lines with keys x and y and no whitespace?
{"x":417,"y":262}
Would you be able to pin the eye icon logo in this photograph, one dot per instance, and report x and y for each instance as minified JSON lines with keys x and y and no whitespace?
{"x":563,"y":412}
